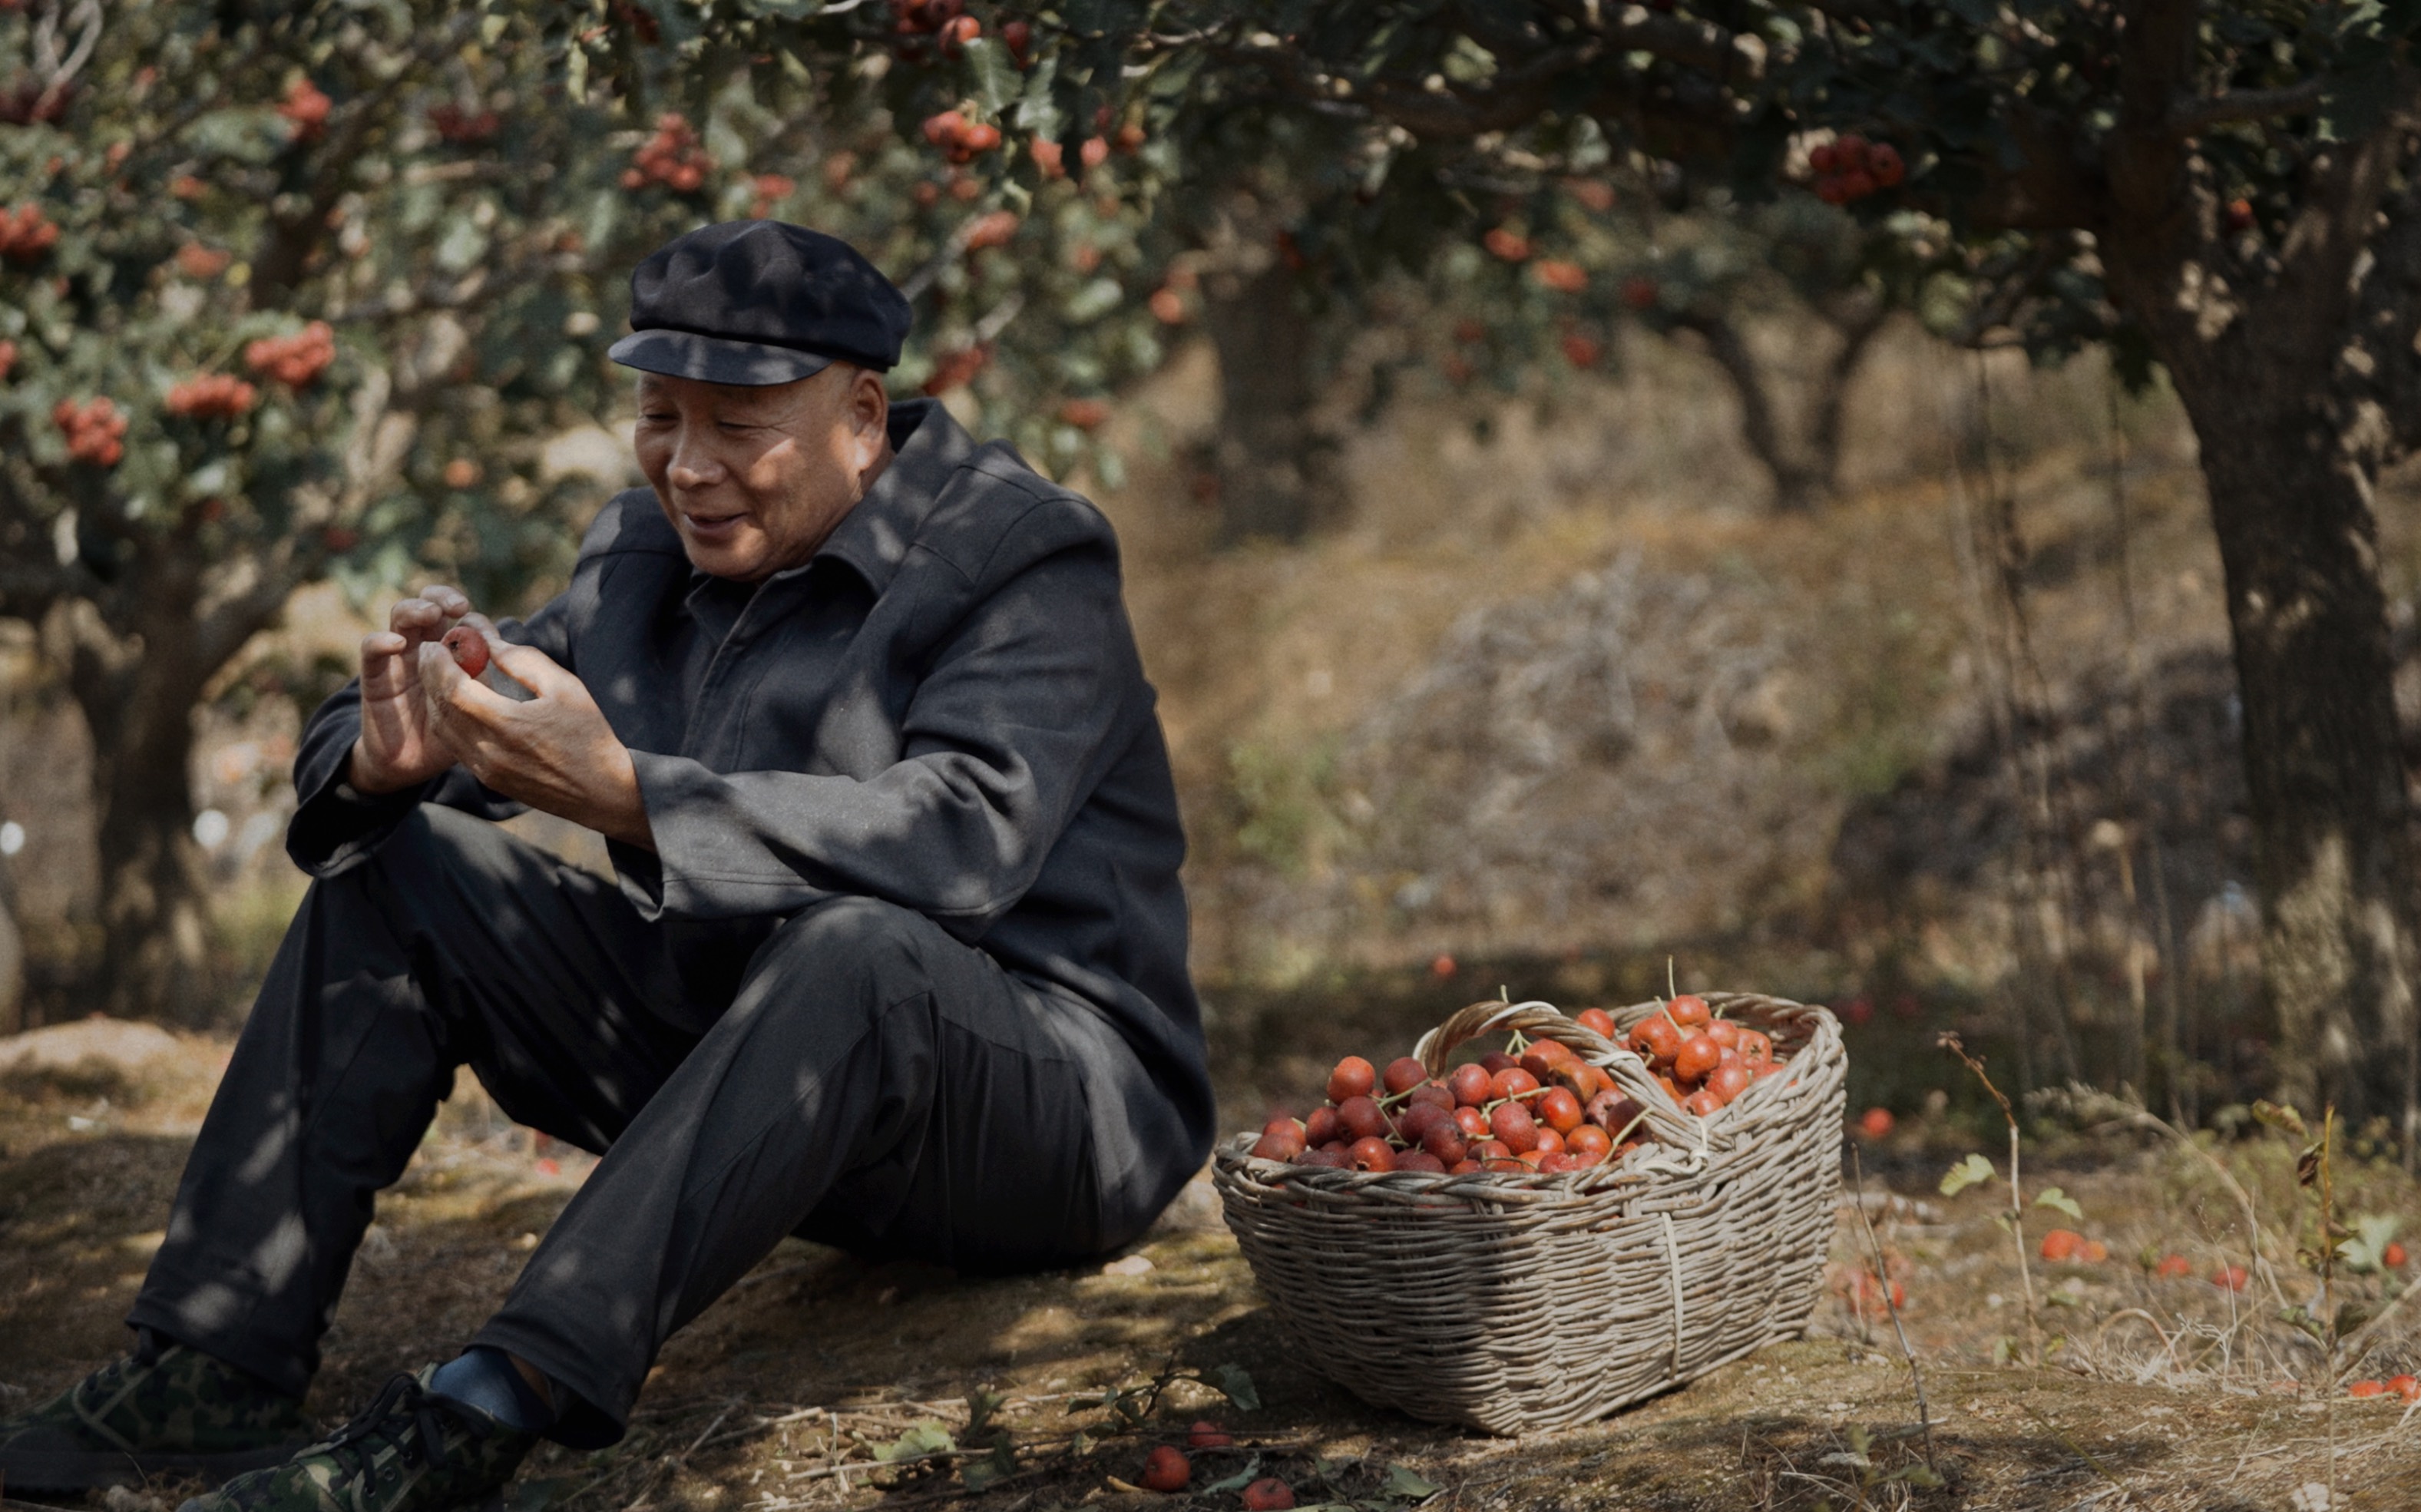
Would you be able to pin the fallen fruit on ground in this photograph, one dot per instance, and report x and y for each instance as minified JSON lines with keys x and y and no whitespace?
{"x":1166,"y":1469}
{"x":2232,"y":1277}
{"x":1209,"y":1435}
{"x":2172,"y":1267}
{"x":1269,"y":1494}
{"x":2367,"y":1388}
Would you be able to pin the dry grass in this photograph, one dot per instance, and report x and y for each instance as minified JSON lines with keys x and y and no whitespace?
{"x":2160,"y":1394}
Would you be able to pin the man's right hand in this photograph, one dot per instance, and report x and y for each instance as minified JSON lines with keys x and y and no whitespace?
{"x":396,"y":749}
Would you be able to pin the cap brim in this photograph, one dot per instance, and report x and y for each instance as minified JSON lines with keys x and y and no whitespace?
{"x":715,"y":359}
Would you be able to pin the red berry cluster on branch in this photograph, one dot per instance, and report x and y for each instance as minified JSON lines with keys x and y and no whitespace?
{"x":946,"y":21}
{"x":1849,"y":169}
{"x":1560,"y":275}
{"x":461,"y":127}
{"x":7,"y":359}
{"x":96,"y":432}
{"x":960,"y":139}
{"x":211,"y":397}
{"x":296,"y":361}
{"x":307,"y":108}
{"x":672,"y":157}
{"x":26,"y":233}
{"x":1511,"y":245}
{"x":768,"y":190}
{"x":199,"y":262}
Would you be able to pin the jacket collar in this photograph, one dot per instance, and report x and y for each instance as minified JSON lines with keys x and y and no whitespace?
{"x":928,"y":447}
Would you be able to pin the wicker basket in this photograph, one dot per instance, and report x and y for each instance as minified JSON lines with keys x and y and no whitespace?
{"x":1516,"y":1302}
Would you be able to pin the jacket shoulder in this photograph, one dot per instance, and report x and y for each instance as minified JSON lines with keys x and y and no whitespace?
{"x":631,"y":521}
{"x":999,"y":516}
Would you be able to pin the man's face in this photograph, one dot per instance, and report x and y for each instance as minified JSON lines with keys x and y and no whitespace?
{"x":754,"y":479}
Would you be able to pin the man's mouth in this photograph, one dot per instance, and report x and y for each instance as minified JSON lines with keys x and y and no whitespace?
{"x":707,"y":526}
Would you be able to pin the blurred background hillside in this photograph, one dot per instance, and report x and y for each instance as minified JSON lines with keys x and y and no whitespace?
{"x":1554,"y":695}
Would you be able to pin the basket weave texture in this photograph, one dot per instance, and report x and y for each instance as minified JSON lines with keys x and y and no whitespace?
{"x":1518,"y":1303}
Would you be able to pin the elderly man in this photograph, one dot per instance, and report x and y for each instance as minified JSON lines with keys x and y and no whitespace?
{"x":895,"y":960}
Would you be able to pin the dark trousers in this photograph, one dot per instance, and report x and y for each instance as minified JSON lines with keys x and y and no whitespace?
{"x":869,"y":1082}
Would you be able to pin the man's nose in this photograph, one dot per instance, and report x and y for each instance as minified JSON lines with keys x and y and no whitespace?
{"x":695,"y":465}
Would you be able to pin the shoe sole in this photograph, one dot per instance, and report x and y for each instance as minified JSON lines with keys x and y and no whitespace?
{"x":94,"y":1470}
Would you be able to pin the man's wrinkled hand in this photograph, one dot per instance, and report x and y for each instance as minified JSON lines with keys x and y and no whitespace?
{"x":555,"y":752}
{"x":396,"y":749}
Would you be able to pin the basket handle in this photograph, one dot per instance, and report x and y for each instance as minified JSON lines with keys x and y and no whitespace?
{"x":1534,"y":1021}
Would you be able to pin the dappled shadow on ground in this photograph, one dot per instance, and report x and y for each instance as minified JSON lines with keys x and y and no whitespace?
{"x":777,"y":1398}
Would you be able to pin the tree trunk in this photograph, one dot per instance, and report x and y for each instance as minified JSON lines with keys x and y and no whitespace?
{"x":1275,"y":467}
{"x":2291,"y":506}
{"x":138,"y":692}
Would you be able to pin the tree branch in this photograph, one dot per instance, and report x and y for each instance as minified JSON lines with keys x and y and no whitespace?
{"x":2191,"y":118}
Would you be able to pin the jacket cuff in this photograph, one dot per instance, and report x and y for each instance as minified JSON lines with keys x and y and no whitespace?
{"x":337,"y":825}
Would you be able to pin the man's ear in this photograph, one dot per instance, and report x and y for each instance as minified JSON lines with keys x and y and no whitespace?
{"x":869,"y":412}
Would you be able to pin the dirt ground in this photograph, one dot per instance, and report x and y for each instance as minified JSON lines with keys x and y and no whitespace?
{"x":2157,"y":1392}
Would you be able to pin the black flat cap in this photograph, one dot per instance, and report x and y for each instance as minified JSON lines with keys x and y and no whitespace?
{"x":757,"y":302}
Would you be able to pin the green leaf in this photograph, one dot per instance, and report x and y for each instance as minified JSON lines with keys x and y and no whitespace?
{"x":1972,"y":1170}
{"x":1236,"y":1385}
{"x":924,"y":1438}
{"x":1406,"y":1485}
{"x":1237,"y":1482}
{"x":997,"y":81}
{"x":2054,"y":1198}
{"x":1917,"y":1475}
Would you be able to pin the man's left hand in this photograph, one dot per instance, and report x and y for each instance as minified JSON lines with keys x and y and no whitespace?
{"x":556,"y":753}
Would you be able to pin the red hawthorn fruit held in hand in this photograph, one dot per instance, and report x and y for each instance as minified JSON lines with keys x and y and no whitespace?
{"x":1207,"y":1435}
{"x":1282,"y":1139}
{"x":1269,"y":1494}
{"x":1372,"y":1154}
{"x":1167,"y":1469}
{"x":469,"y":649}
{"x":1403,"y":1073}
{"x":1352,"y":1077}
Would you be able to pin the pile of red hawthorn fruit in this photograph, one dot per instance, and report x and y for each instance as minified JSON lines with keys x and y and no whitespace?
{"x":1538,"y":1107}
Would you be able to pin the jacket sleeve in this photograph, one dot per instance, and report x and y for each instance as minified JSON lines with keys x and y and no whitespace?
{"x":336,"y":825}
{"x":1021,"y":711}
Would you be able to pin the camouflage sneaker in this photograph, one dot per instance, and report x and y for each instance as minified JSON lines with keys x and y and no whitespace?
{"x":164,"y":1409}
{"x":411,"y":1450}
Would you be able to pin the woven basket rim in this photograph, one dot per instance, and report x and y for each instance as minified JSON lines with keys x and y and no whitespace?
{"x":1668,"y":1158}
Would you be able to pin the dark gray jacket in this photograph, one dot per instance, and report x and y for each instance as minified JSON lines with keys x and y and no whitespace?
{"x":943,"y":709}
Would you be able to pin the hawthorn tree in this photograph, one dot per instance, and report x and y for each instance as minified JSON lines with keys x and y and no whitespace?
{"x":293,"y":292}
{"x":2220,"y":187}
